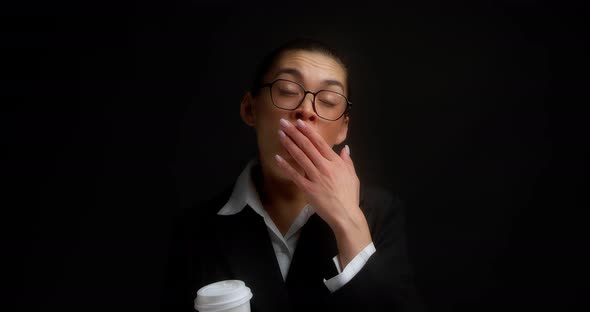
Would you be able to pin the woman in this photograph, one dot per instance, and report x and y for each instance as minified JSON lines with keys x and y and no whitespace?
{"x":297,"y":227}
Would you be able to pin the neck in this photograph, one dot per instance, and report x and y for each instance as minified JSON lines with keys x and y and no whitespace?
{"x":281,"y":199}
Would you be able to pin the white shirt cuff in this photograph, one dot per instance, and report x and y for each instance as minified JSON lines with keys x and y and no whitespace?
{"x":350,"y":270}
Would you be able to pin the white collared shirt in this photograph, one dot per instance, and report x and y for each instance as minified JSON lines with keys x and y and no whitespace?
{"x":245,"y":194}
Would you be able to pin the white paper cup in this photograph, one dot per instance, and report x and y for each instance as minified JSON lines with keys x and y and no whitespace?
{"x":224,"y":296}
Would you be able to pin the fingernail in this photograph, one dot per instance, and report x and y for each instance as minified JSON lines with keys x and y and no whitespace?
{"x":282,"y":134}
{"x":347,"y":149}
{"x":300,"y":123}
{"x":277,"y":157}
{"x":283,"y":122}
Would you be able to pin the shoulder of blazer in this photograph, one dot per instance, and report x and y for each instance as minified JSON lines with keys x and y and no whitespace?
{"x":195,"y":218}
{"x":380,"y":206}
{"x":211,"y":206}
{"x":376,"y":197}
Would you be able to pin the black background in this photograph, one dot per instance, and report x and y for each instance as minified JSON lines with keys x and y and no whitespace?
{"x":119,"y":115}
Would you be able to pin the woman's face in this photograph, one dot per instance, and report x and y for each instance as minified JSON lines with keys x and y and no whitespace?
{"x":315,"y":71}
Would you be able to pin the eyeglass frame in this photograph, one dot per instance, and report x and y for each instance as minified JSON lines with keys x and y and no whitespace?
{"x":305,"y":93}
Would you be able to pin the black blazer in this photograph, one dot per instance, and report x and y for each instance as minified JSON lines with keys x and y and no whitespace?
{"x":208,"y":247}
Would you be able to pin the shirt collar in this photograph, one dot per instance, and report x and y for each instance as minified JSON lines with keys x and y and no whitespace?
{"x":244,"y":193}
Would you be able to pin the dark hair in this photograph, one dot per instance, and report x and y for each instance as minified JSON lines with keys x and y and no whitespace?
{"x":305,"y":44}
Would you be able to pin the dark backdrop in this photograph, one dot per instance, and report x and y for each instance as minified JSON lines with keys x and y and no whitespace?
{"x":120,"y":115}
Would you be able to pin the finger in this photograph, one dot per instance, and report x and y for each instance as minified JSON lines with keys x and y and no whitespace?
{"x":317,"y":140}
{"x":293,"y":174}
{"x":304,"y":143}
{"x":300,"y":157}
{"x":345,"y":154}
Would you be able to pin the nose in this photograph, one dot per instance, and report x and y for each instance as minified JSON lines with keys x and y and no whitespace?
{"x":305,"y":110}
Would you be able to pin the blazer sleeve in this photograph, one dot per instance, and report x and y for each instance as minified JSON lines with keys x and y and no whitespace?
{"x":177,"y":289}
{"x":385,"y":283}
{"x":188,"y":243}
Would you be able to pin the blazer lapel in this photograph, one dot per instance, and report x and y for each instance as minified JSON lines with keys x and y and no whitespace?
{"x":312,"y":261}
{"x":248,"y":252}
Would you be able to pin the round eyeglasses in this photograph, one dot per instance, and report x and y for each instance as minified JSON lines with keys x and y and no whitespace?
{"x":288,"y":95}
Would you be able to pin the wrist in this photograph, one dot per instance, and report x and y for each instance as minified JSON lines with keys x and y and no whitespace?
{"x":352,"y":236}
{"x":347,"y":226}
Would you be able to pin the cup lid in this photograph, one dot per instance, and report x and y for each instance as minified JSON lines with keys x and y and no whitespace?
{"x":222,"y":295}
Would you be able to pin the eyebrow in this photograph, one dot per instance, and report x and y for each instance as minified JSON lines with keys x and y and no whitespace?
{"x":298,"y":75}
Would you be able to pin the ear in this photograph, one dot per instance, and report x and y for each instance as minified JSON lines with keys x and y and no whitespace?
{"x":343,"y":131}
{"x":247,"y":109}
